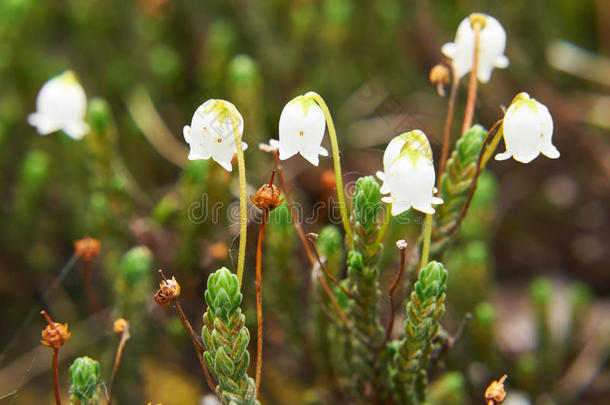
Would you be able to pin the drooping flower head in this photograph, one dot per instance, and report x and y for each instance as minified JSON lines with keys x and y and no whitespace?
{"x":211,"y":133}
{"x":528,"y":130}
{"x":408,"y":173}
{"x":61,"y":104}
{"x":492,"y":43}
{"x":302,"y":126}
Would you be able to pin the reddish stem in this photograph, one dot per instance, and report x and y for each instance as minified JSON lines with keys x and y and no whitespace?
{"x":455,"y":81}
{"x":259,"y":299}
{"x":117,"y":360}
{"x":472,"y":83}
{"x":55,"y":379}
{"x":392,"y":290}
{"x":295,"y":219}
{"x":311,"y":237}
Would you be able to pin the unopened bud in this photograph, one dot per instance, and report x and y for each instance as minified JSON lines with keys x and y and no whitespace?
{"x":120,"y":325}
{"x":440,"y":75}
{"x":87,"y":248}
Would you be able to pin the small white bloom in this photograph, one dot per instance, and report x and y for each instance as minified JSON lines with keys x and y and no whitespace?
{"x":272,"y":146}
{"x":528,"y":130}
{"x":211,"y":133}
{"x":61,"y":104}
{"x":492,"y":42}
{"x":302,"y":126}
{"x":408,"y":173}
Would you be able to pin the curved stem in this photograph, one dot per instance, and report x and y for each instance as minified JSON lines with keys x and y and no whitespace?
{"x":243,"y":208}
{"x":117,"y":360}
{"x":455,"y":81}
{"x":55,"y":379}
{"x":311,"y":237}
{"x":426,"y":244}
{"x":392,"y":290}
{"x":337,"y":165}
{"x":472,"y":83}
{"x":259,"y":303}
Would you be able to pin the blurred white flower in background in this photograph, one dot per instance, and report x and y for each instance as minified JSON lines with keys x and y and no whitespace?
{"x":408,"y":173}
{"x":528,"y":130}
{"x":61,"y":104}
{"x":211,"y":133}
{"x":492,"y":43}
{"x":302,"y":126}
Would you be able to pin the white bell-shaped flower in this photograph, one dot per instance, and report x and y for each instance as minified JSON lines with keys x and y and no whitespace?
{"x":61,"y":104}
{"x":492,"y":43}
{"x":302,"y":126}
{"x":211,"y":133}
{"x":528,"y":130}
{"x":408,"y":173}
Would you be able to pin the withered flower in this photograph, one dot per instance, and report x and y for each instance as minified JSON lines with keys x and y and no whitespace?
{"x":267,"y":197}
{"x":440,"y":75}
{"x":168,"y":291}
{"x":87,"y":248}
{"x":495,"y":394}
{"x":55,"y":334}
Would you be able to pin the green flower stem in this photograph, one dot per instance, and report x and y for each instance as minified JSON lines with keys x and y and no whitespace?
{"x":337,"y":163}
{"x":243,"y":209}
{"x":425,"y":251}
{"x":491,"y":147}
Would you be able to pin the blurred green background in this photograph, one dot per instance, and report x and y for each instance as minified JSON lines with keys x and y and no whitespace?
{"x":150,"y":63}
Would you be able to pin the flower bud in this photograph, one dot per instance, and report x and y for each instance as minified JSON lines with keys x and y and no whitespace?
{"x":87,"y":248}
{"x":440,"y":75}
{"x":168,"y":291}
{"x":120,"y":325}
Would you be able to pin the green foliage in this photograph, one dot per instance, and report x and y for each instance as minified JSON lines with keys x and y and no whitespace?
{"x":85,"y":381}
{"x":226,"y":339}
{"x":367,"y":332}
{"x":421,"y":327}
{"x":135,"y":265}
{"x":330,"y":245}
{"x":450,"y":388}
{"x":455,"y":184}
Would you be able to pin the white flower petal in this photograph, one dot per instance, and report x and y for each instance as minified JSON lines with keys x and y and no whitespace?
{"x":527,"y":130}
{"x":301,"y":129}
{"x":61,"y":104}
{"x":186,"y":131}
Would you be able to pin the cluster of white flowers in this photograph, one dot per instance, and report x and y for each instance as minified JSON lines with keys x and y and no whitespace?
{"x":408,"y":171}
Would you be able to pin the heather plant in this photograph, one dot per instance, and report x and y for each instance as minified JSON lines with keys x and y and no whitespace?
{"x":360,"y":305}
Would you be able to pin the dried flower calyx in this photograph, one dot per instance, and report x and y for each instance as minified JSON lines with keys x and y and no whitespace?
{"x":55,"y":334}
{"x":169,"y":290}
{"x":495,"y":394}
{"x":268,"y":196}
{"x":87,"y":248}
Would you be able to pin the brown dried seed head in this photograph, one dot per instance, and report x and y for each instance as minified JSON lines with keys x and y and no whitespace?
{"x":168,"y":291}
{"x":55,"y":335}
{"x":267,"y":197}
{"x":120,"y":325}
{"x":440,"y":74}
{"x":87,"y":248}
{"x":495,"y":394}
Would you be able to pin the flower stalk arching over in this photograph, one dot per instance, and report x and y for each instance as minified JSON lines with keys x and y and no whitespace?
{"x":215,"y":132}
{"x":301,"y":130}
{"x":61,"y":104}
{"x":492,"y":43}
{"x":408,"y":174}
{"x":527,"y":129}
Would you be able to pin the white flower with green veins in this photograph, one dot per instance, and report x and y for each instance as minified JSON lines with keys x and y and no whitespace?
{"x":61,"y":104}
{"x":528,"y":130}
{"x":212,"y":132}
{"x":408,"y":174}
